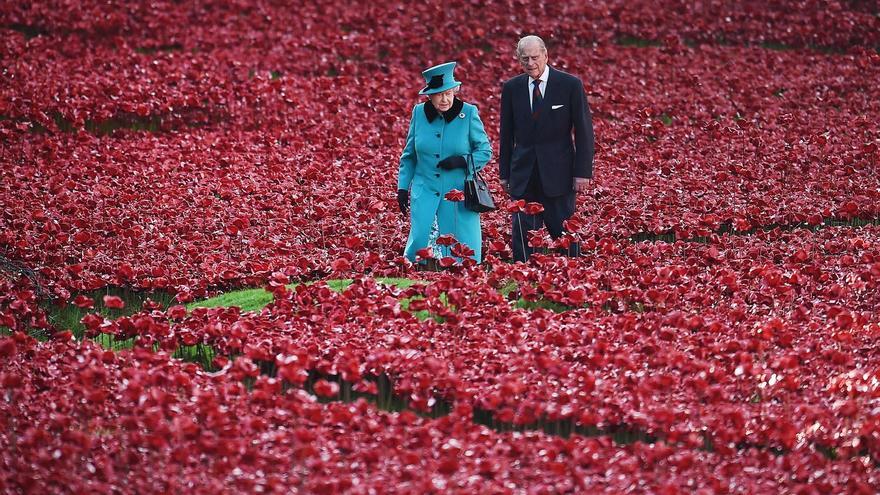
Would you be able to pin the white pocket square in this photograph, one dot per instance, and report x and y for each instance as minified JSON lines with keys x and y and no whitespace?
{"x":554,"y":107}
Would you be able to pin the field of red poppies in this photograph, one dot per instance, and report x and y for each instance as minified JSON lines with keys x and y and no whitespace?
{"x":718,"y":335}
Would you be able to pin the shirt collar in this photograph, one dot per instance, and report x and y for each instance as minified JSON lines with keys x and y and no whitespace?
{"x":544,"y":76}
{"x":431,"y":113}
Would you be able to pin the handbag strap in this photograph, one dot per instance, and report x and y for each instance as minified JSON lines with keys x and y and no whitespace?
{"x":472,"y":169}
{"x":475,"y":174}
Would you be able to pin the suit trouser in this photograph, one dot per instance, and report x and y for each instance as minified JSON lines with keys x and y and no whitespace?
{"x":557,"y":209}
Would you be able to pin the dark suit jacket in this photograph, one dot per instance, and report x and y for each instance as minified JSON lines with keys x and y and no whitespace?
{"x":559,"y":142}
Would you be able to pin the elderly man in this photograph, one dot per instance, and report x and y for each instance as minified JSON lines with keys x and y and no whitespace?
{"x":546,"y":144}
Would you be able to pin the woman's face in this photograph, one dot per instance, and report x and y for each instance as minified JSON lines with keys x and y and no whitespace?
{"x":443,"y":101}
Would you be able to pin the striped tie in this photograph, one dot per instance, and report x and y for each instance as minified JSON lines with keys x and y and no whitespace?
{"x":537,"y":99}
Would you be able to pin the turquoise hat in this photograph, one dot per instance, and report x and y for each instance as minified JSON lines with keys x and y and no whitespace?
{"x":439,"y":79}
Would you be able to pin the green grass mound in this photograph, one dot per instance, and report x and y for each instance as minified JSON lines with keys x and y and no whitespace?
{"x":256,"y":299}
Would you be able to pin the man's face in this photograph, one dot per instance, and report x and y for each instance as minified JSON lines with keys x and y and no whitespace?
{"x":533,"y":60}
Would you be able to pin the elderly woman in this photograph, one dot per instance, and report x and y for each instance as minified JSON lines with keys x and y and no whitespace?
{"x":445,"y":134}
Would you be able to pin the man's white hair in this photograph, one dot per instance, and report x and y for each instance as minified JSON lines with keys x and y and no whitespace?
{"x":528,"y":40}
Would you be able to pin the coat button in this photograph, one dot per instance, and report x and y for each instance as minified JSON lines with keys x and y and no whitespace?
{"x":436,"y":175}
{"x":438,"y":134}
{"x":436,"y":194}
{"x":436,"y":155}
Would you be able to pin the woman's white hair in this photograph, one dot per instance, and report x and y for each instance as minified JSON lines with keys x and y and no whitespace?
{"x":455,"y":91}
{"x":528,"y":40}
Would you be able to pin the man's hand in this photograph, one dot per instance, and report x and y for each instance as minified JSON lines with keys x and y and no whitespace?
{"x":581,"y":184}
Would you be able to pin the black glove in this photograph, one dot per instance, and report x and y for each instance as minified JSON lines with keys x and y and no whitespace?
{"x":452,"y":162}
{"x":403,"y":200}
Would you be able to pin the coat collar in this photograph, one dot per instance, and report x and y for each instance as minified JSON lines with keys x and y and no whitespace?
{"x":431,"y":113}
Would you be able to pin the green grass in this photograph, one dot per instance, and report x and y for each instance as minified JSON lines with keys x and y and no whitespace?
{"x":423,"y":314}
{"x":777,"y":46}
{"x":108,"y":341}
{"x":28,"y":31}
{"x":508,"y":287}
{"x":727,"y":228}
{"x":257,"y":299}
{"x":637,"y":42}
{"x":174,"y":47}
{"x":246,"y":299}
{"x":151,"y":123}
{"x":619,"y":434}
{"x":554,"y":306}
{"x":201,"y":354}
{"x":67,"y":316}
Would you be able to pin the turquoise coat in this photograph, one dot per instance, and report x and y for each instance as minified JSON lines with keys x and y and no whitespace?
{"x":428,"y":142}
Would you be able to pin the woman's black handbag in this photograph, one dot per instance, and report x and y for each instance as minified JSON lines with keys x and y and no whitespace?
{"x":477,"y":196}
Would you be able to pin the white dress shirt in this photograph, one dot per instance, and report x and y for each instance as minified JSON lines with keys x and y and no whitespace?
{"x":542,"y":86}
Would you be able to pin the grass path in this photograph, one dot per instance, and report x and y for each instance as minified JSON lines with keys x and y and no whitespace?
{"x":68,"y":316}
{"x":256,"y":299}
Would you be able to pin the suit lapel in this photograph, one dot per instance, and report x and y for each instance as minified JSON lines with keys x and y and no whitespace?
{"x":551,"y":77}
{"x":523,"y":93}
